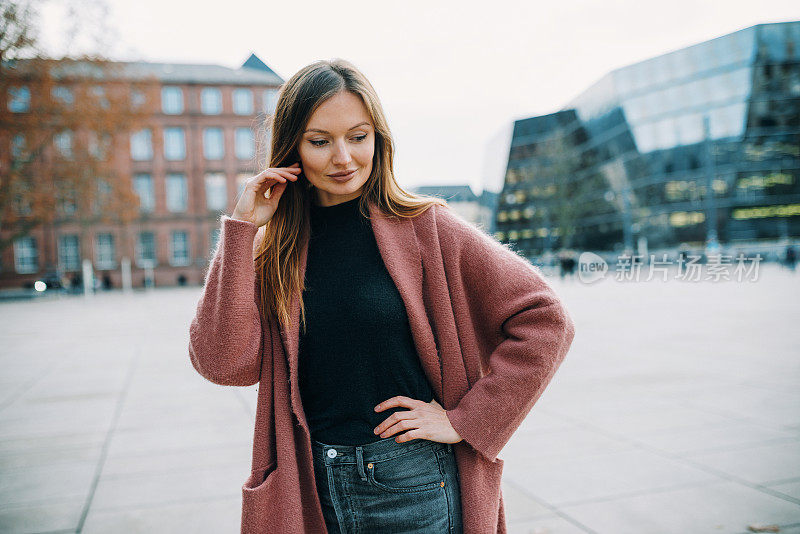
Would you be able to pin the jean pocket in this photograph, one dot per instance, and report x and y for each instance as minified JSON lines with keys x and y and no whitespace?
{"x":415,"y":471}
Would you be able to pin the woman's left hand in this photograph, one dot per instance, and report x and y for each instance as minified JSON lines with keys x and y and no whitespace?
{"x":424,"y":420}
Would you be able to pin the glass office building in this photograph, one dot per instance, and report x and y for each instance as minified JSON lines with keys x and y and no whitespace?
{"x":698,"y":145}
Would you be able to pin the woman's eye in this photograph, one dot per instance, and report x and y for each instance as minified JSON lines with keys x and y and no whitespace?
{"x":320,"y":142}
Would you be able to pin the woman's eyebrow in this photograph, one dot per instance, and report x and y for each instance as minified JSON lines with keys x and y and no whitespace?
{"x":325,"y":131}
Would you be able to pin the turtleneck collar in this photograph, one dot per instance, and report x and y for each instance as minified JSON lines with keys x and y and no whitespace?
{"x":336,"y":214}
{"x":341,"y":207}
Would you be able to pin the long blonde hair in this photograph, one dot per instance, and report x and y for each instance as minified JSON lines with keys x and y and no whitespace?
{"x":277,"y":257}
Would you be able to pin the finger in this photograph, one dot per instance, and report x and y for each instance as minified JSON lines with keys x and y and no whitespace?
{"x":414,"y":433}
{"x":265,"y":177}
{"x":292,"y":168}
{"x":400,"y":426}
{"x":276,"y":191}
{"x":290,"y":175}
{"x":400,"y":400}
{"x":261,"y":178}
{"x":392,"y":419}
{"x":284,"y":173}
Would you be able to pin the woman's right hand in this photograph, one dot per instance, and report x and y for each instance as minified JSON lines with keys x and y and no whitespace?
{"x":253,"y":206}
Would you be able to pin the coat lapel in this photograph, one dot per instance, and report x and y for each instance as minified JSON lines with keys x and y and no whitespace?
{"x":399,"y":249}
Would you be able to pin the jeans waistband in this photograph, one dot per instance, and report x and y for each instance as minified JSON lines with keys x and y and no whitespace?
{"x":370,"y":452}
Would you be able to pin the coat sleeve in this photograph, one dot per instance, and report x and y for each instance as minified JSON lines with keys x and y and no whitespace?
{"x":529,"y":331}
{"x":225,"y":337}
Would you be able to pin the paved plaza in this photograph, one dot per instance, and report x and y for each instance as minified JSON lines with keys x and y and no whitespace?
{"x":677,"y":410}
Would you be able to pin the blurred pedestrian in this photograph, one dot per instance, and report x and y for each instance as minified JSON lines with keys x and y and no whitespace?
{"x":790,"y":257}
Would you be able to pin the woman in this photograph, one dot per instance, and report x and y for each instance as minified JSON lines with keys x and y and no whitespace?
{"x":424,"y":342}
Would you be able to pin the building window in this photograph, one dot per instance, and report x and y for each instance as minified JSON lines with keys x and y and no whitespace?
{"x":26,"y":255}
{"x":142,"y":145}
{"x":146,"y":249}
{"x":99,"y":145}
{"x":63,"y":96}
{"x":216,"y":192}
{"x":21,"y":191}
{"x":99,"y":93}
{"x":18,"y":146}
{"x":172,"y":100}
{"x":245,"y":143}
{"x":241,"y":182}
{"x":66,"y":201}
{"x":19,"y":99}
{"x":138,"y":98}
{"x":104,"y":195}
{"x":143,"y":185}
{"x":180,"y":248}
{"x":243,"y":101}
{"x":63,"y":143}
{"x":69,"y":255}
{"x":174,"y":144}
{"x":104,"y":252}
{"x":177,"y":193}
{"x":213,"y":239}
{"x":270,"y":100}
{"x":213,"y":143}
{"x":211,"y":101}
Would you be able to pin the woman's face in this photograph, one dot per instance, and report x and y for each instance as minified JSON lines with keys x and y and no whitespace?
{"x":339,"y":138}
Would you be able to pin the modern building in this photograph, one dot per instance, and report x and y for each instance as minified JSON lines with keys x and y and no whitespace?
{"x":188,"y":166}
{"x":696,"y":146}
{"x":478,"y":210}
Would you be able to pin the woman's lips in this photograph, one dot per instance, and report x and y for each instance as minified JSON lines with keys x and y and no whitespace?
{"x":343,"y":178}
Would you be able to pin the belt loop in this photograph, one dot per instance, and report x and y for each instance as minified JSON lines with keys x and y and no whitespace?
{"x":360,"y":463}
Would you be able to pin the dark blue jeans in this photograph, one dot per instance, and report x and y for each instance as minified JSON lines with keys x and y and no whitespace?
{"x":388,"y":487}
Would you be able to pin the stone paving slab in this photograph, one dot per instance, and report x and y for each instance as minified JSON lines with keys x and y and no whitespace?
{"x":676,"y":411}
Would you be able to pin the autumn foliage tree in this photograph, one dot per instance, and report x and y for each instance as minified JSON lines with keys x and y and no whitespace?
{"x":64,"y":126}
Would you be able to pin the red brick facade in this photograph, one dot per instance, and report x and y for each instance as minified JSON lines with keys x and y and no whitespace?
{"x":198,"y":220}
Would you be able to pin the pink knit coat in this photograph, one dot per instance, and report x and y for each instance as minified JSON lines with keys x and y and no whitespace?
{"x":489,"y":331}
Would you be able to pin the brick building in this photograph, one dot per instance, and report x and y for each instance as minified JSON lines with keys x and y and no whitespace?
{"x":188,"y":165}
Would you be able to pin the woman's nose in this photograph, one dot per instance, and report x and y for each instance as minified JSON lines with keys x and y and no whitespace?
{"x":341,"y":155}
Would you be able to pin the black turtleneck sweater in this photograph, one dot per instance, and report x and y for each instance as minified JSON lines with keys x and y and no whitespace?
{"x":357,"y":350}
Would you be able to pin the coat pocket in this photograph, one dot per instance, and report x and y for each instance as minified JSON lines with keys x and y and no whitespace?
{"x":258,"y":495}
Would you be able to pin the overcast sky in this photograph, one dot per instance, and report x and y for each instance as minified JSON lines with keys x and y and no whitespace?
{"x":452,"y":76}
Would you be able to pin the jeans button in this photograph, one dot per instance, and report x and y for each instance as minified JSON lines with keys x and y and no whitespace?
{"x":331,"y":453}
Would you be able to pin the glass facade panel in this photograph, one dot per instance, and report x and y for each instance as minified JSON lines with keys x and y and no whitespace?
{"x":630,"y":158}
